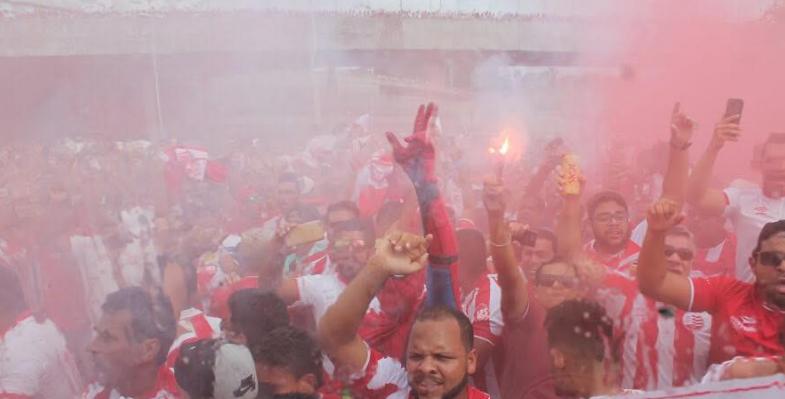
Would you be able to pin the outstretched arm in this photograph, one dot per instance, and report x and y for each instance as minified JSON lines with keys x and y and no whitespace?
{"x":654,"y":279}
{"x":515,"y":297}
{"x":699,"y":194}
{"x":418,"y":160}
{"x":396,"y":254}
{"x":674,"y":184}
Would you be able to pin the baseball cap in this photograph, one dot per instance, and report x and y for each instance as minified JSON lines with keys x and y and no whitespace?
{"x":216,"y":369}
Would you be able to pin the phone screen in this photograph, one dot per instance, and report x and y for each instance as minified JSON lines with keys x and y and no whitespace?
{"x":735,"y":106}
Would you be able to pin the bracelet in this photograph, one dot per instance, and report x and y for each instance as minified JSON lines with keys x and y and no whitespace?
{"x":509,"y":241}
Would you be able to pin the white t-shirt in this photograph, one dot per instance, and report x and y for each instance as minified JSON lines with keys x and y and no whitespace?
{"x":748,"y":210}
{"x":35,"y":362}
{"x":321,"y":291}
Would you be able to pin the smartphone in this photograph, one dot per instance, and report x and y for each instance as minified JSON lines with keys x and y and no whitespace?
{"x":735,"y":106}
{"x":305,"y":233}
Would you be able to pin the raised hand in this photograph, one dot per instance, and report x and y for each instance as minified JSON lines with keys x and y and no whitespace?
{"x":570,"y":178}
{"x":726,"y":130}
{"x":401,"y":253}
{"x":663,"y":215}
{"x":493,"y":196}
{"x":418,"y":157}
{"x":682,"y":127}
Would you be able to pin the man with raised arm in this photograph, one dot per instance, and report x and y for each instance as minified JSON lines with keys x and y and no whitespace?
{"x":746,"y":317}
{"x":439,"y":355}
{"x":748,"y":208}
{"x":524,"y":306}
{"x":661,"y":347}
{"x":418,"y":160}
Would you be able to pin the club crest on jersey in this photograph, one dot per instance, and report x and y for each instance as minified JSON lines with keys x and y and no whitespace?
{"x":483,"y":313}
{"x":695,"y":321}
{"x":748,"y":324}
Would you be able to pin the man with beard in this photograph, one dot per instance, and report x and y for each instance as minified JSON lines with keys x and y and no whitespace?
{"x":748,"y":208}
{"x":289,"y":365}
{"x":746,"y":317}
{"x":439,"y":355}
{"x":610,"y":222}
{"x":131,"y":341}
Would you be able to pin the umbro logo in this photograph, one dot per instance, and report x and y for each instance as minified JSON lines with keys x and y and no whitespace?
{"x":748,"y":324}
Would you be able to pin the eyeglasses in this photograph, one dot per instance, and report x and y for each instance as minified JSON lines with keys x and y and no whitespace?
{"x":771,"y":258}
{"x":606,"y":218}
{"x":549,"y":280}
{"x":683,"y":253}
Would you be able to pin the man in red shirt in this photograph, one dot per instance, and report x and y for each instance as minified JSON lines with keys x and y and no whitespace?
{"x":132,"y":338}
{"x":439,"y":356}
{"x":747,"y":317}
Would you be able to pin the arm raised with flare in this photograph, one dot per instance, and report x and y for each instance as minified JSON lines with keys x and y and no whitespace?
{"x":418,"y":160}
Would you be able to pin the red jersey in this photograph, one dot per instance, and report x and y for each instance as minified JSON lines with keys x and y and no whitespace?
{"x":193,"y":326}
{"x":744,"y":325}
{"x":384,"y":377}
{"x":662,"y":347}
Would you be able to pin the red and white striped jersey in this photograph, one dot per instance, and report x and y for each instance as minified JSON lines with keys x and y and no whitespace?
{"x":385,"y":377}
{"x":662,"y":347}
{"x":482,"y":305}
{"x":193,"y":326}
{"x":622,"y":261}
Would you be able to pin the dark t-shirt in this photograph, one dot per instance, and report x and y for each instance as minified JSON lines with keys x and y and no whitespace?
{"x":527,"y":362}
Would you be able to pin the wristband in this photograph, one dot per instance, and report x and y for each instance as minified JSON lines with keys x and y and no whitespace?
{"x":502,"y":245}
{"x":680,"y":146}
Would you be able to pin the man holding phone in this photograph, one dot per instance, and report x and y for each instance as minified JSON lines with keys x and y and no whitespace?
{"x":748,"y":208}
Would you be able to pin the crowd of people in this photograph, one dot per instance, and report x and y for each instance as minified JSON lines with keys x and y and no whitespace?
{"x":372,"y":267}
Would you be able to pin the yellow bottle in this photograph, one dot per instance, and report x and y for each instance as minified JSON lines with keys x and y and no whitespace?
{"x":571,"y":174}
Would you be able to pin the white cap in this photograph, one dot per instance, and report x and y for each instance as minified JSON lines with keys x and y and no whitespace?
{"x":235,"y":373}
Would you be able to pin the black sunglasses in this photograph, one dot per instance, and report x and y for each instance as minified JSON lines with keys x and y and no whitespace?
{"x":548,"y":280}
{"x":683,"y":253}
{"x":771,"y":258}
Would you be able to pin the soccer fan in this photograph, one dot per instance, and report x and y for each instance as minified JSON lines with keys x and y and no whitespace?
{"x":35,"y":361}
{"x":748,"y":209}
{"x":216,"y":369}
{"x":663,"y":347}
{"x":289,"y":362}
{"x":583,"y":353}
{"x":481,"y":302}
{"x":524,"y":306}
{"x":253,"y":314}
{"x":746,"y":317}
{"x":439,"y":356}
{"x":131,"y":341}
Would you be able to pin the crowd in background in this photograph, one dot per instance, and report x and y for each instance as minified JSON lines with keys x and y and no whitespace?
{"x":369,"y":267}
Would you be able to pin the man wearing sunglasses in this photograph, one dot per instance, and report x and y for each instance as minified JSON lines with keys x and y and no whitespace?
{"x":663,"y":346}
{"x":524,"y":306}
{"x":746,"y":317}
